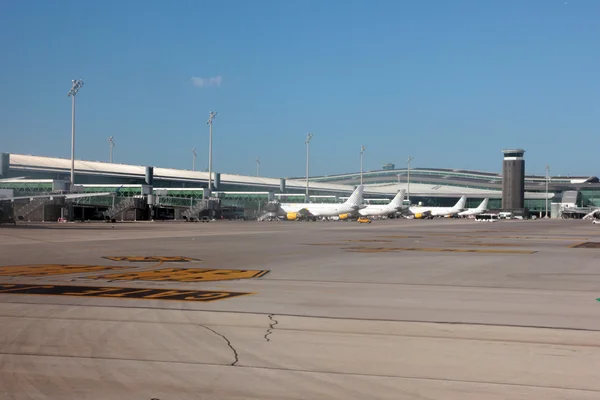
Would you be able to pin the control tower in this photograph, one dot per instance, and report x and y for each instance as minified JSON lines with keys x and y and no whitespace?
{"x":513,"y":179}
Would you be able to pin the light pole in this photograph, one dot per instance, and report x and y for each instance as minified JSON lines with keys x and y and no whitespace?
{"x":194,"y":159}
{"x":257,"y":164}
{"x":408,"y":179}
{"x":547,"y":178}
{"x":76,"y":84}
{"x":362,"y":152}
{"x":111,"y":143}
{"x":211,"y":117}
{"x":308,"y":137}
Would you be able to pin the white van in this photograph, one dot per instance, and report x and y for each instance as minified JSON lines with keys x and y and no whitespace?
{"x":486,"y":218}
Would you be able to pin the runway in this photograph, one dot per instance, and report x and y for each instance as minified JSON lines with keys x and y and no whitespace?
{"x":397,"y":309}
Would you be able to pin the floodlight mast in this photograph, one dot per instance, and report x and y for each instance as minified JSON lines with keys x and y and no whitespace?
{"x":211,"y":117}
{"x":257,"y":164}
{"x":76,"y":84}
{"x":547,"y":179}
{"x":111,"y":143}
{"x":362,"y":152}
{"x":307,"y":142}
{"x":410,"y":158}
{"x":194,"y":159}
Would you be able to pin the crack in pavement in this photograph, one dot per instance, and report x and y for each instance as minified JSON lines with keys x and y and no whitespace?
{"x":235,"y":353}
{"x":271,"y":327}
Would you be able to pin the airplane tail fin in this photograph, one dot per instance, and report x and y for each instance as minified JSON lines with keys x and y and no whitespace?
{"x":356,"y":198}
{"x":461,"y":203}
{"x":484,"y":204}
{"x":397,"y":201}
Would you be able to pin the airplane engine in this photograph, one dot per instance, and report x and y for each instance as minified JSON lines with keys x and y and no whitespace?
{"x":292,"y":216}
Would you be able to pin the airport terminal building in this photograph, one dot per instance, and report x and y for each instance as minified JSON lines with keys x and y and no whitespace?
{"x":434,"y":186}
{"x":176,"y":190}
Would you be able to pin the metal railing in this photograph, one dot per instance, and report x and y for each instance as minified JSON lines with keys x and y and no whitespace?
{"x":122,"y":206}
{"x":33,"y":205}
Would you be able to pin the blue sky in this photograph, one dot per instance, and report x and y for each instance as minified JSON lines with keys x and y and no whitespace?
{"x":448,"y":82}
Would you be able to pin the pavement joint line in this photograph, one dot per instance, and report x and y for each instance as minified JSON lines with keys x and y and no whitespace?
{"x":405,"y":377}
{"x":432,"y":285}
{"x":358,"y":249}
{"x":407,"y":335}
{"x":324,"y":317}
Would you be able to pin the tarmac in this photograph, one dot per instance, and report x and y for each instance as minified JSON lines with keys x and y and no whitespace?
{"x":395,"y":309}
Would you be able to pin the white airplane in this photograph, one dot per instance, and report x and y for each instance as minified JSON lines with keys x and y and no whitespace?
{"x":384,"y":209}
{"x":294,"y":211}
{"x":474,"y":211}
{"x":430,"y":212}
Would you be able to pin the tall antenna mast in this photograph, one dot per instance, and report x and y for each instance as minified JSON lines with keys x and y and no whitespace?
{"x":111,"y":143}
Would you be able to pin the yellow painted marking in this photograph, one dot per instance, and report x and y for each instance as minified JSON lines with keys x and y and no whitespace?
{"x":586,"y":245}
{"x":432,"y":249}
{"x":152,"y":258}
{"x":15,"y":288}
{"x":185,"y":275}
{"x":52,"y":269}
{"x":118,"y":292}
{"x":488,"y":244}
{"x":369,"y":240}
{"x":401,"y":237}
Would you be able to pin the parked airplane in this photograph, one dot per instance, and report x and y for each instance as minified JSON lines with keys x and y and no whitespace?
{"x":474,"y":211}
{"x":294,"y":211}
{"x":430,"y":212}
{"x":392,"y":207}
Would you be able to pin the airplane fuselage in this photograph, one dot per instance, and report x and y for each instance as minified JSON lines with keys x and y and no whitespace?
{"x":377,"y":210}
{"x":469,"y":213}
{"x":434,"y":211}
{"x":318,"y":210}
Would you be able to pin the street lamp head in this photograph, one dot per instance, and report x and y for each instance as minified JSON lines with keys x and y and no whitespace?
{"x":363,"y":148}
{"x":308,"y":137}
{"x":211,"y":116}
{"x":76,"y":84}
